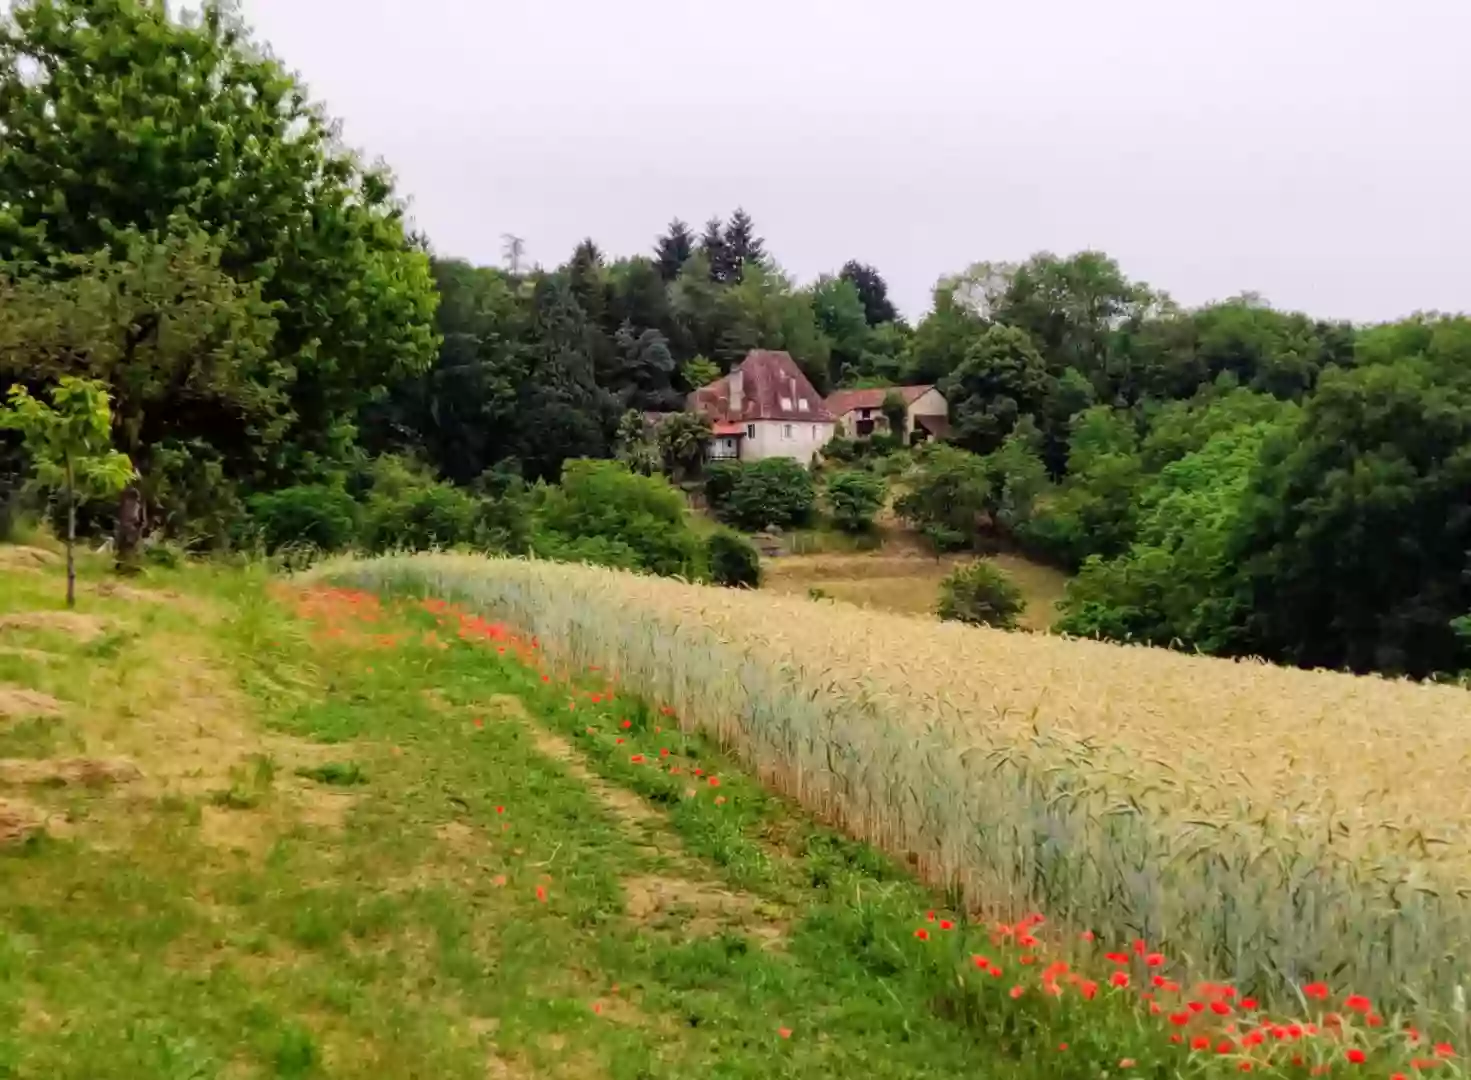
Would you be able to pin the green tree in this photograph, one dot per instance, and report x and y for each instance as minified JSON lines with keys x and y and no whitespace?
{"x":943,"y":338}
{"x":980,"y":593}
{"x":697,"y":372}
{"x":766,"y":312}
{"x":854,"y":498}
{"x":674,"y":249}
{"x":602,"y":501}
{"x":949,"y":495}
{"x":633,"y":446}
{"x":118,"y":116}
{"x":734,"y":560}
{"x":896,"y":414}
{"x":70,"y":445}
{"x":1002,"y":379}
{"x":742,"y":245}
{"x":682,"y":439}
{"x":873,"y":292}
{"x":838,"y":310}
{"x":774,"y":491}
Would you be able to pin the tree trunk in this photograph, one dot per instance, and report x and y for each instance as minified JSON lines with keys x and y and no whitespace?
{"x":129,"y":533}
{"x":71,"y":537}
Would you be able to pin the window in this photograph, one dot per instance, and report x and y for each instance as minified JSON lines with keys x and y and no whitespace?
{"x":814,"y":431}
{"x":786,"y":404}
{"x":786,"y":431}
{"x":750,"y":431}
{"x":863,"y":414}
{"x":803,"y":405}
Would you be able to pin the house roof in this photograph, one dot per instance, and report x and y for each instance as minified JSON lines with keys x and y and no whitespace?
{"x":729,"y":427}
{"x":845,"y":401}
{"x":772,"y":388}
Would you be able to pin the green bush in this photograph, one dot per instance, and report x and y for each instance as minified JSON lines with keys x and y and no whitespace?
{"x":854,"y":498}
{"x":643,"y":515}
{"x":308,"y":514}
{"x":843,"y":450}
{"x":597,"y":550}
{"x":948,"y":497}
{"x":982,"y":594}
{"x":776,"y":491}
{"x":435,"y":515}
{"x":734,"y":560}
{"x":721,"y":478}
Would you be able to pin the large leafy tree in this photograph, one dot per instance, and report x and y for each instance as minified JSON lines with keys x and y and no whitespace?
{"x":115,"y":115}
{"x":1002,"y":379}
{"x":839,"y":312}
{"x":873,"y":292}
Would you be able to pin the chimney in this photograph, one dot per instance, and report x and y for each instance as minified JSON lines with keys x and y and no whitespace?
{"x":737,"y":394}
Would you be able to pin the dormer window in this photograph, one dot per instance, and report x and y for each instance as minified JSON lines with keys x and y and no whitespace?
{"x":803,"y":405}
{"x":786,"y":404}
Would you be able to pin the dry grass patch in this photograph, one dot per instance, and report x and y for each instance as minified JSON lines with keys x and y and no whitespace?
{"x":69,"y":772}
{"x":23,"y":558}
{"x":19,"y":821}
{"x":78,"y":626}
{"x":16,"y":702}
{"x":697,"y":909}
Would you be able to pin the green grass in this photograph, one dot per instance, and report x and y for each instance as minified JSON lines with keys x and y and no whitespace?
{"x":363,"y":847}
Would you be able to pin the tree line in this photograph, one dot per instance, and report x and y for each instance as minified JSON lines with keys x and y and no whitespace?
{"x":179,"y":222}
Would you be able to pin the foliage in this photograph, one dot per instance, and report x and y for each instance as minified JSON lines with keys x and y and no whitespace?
{"x":854,"y":498}
{"x":734,"y":560}
{"x":640,"y":518}
{"x":682,"y":440}
{"x":896,"y":415}
{"x":697,"y":372}
{"x":981,"y":594}
{"x":1001,"y":379}
{"x":308,"y":515}
{"x":635,"y":446}
{"x":949,"y":492}
{"x":407,"y":509}
{"x":774,"y":491}
{"x":872,"y":290}
{"x":721,"y":478}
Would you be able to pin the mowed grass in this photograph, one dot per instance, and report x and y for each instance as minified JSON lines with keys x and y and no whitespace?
{"x":319,"y":836}
{"x":1268,"y":826}
{"x":908,"y":582}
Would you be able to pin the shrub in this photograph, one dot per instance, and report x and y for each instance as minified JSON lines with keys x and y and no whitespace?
{"x":777,"y":491}
{"x":982,"y":594}
{"x":641,"y":514}
{"x":734,"y":560}
{"x":308,"y":514}
{"x":854,"y":498}
{"x":721,"y":478}
{"x":430,"y":515}
{"x":843,"y":450}
{"x":948,"y":496}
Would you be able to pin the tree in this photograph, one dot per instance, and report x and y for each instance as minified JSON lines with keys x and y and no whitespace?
{"x":697,"y":372}
{"x":854,"y":498}
{"x":981,"y":594}
{"x":70,"y":444}
{"x":949,"y":493}
{"x":717,"y":256}
{"x":774,"y":491}
{"x":633,"y":447}
{"x":1002,"y":379}
{"x":118,"y":116}
{"x":839,"y":314}
{"x":873,"y":292}
{"x":674,"y":249}
{"x":896,"y":414}
{"x":734,"y":560}
{"x":682,"y":439}
{"x":184,"y":350}
{"x":642,"y":372}
{"x":764,"y":311}
{"x":742,"y":245}
{"x":943,"y":337}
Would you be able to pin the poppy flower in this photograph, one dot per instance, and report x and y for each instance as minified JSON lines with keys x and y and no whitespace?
{"x":1374,"y":1020}
{"x":479,"y":722}
{"x":1117,"y":957}
{"x":1180,"y":1019}
{"x":980,"y":961}
{"x":1200,"y":1042}
{"x":1443,"y":1050}
{"x":720,"y":800}
{"x":1220,"y":1008}
{"x":1026,"y":941}
{"x":498,"y":881}
{"x":541,"y":893}
{"x":663,"y":751}
{"x":1139,"y":946}
{"x":1195,"y":1006}
{"x":637,"y":759}
{"x":1157,"y":981}
{"x":946,"y":924}
{"x":1248,"y":1003}
{"x":500,"y":809}
{"x":1089,"y":989}
{"x":1357,"y":1003}
{"x":1317,"y":990}
{"x":1087,"y":935}
{"x":1028,"y":959}
{"x":546,"y":678}
{"x":1061,"y":1047}
{"x":1155,"y":959}
{"x":627,"y":724}
{"x":785,"y":1033}
{"x":1119,"y":978}
{"x":1016,"y":992}
{"x":922,"y":934}
{"x":1398,"y":1076}
{"x":1355,"y":1056}
{"x":1225,"y":1046}
{"x":1126,"y":1063}
{"x":1177,"y":1038}
{"x":1245,"y":1066}
{"x":714,"y":781}
{"x":929,"y":916}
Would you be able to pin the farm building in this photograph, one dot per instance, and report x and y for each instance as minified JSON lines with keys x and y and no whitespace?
{"x":764,"y":408}
{"x":861,"y":412}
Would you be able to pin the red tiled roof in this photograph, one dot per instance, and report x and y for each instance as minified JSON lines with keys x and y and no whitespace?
{"x":844,"y":401}
{"x":729,"y":427}
{"x":767,"y":379}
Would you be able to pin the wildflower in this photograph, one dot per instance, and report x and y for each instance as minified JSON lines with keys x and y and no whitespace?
{"x":1374,"y":1020}
{"x":980,"y":961}
{"x":1248,"y":1003}
{"x":1200,"y":1042}
{"x":1139,"y":946}
{"x":929,"y":916}
{"x":1154,"y":959}
{"x":571,"y":705}
{"x":1117,"y":957}
{"x":922,"y":934}
{"x":1180,"y":1019}
{"x":785,"y":1033}
{"x":714,"y":781}
{"x":1087,"y":935}
{"x":1398,"y":1076}
{"x":597,"y":1007}
{"x":1052,"y":988}
{"x":1028,"y":959}
{"x":1245,"y":1066}
{"x":1061,"y":1047}
{"x":541,"y":893}
{"x":1443,"y":1051}
{"x":1126,"y":1063}
{"x":1220,"y":1008}
{"x":498,"y":881}
{"x":1158,"y":981}
{"x":500,"y":809}
{"x":698,"y":772}
{"x":1119,"y":978}
{"x":1355,"y":1056}
{"x":546,"y":678}
{"x":627,"y":724}
{"x":663,"y":751}
{"x":618,"y":741}
{"x":946,"y":924}
{"x":1177,"y":1038}
{"x":1195,"y":1006}
{"x":637,"y":759}
{"x":1026,"y":941}
{"x":1317,"y":990}
{"x":720,"y":800}
{"x":1089,"y":989}
{"x":596,"y":699}
{"x":1225,"y":1046}
{"x":1017,"y":991}
{"x":1357,"y":1003}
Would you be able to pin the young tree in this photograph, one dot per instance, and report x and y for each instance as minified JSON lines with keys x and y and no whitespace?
{"x":896,"y":414}
{"x":633,"y":447}
{"x":742,"y":245}
{"x":712,"y":247}
{"x":674,"y":249}
{"x":70,"y":443}
{"x":854,"y":498}
{"x":682,"y":440}
{"x":873,"y":292}
{"x":697,"y":372}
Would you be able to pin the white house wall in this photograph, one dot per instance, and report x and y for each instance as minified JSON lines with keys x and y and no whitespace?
{"x":771,"y":440}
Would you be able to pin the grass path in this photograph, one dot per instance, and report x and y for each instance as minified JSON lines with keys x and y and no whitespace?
{"x":252,"y":834}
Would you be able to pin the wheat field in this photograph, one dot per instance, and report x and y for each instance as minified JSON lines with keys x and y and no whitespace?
{"x":1263,"y":824}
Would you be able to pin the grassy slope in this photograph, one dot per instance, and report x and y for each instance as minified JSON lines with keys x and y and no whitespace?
{"x":224,"y":915}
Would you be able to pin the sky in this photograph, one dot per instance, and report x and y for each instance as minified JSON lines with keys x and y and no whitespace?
{"x":1317,"y":152}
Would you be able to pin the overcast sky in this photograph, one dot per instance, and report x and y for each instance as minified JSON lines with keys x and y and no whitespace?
{"x":1315,"y":151}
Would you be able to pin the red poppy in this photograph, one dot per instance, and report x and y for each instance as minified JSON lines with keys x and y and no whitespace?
{"x":980,"y":961}
{"x":1200,"y":1042}
{"x":698,"y":772}
{"x":1028,"y":959}
{"x":1177,"y":1038}
{"x":1139,"y":946}
{"x":1089,"y":989}
{"x":627,"y":724}
{"x":1119,"y":978}
{"x":1248,"y":1003}
{"x":1374,"y":1020}
{"x":1061,"y":1047}
{"x":1245,"y":1066}
{"x":1357,"y":1003}
{"x":546,"y":678}
{"x":1316,"y":990}
{"x":1026,"y":941}
{"x":541,"y":893}
{"x":500,"y":809}
{"x":714,"y":781}
{"x":1195,"y":1006}
{"x":637,"y":759}
{"x":946,"y":924}
{"x":479,"y":722}
{"x":1155,"y":959}
{"x":1180,"y":1019}
{"x":1117,"y":957}
{"x":596,"y":698}
{"x":1016,"y":991}
{"x":1088,"y":935}
{"x":1443,"y":1050}
{"x":1158,"y":981}
{"x":663,"y":751}
{"x":929,"y":916}
{"x":1220,"y":1008}
{"x":785,"y":1033}
{"x":922,"y":934}
{"x":1355,"y":1056}
{"x":1225,"y":1046}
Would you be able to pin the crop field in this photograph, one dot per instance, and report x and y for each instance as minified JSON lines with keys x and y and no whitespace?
{"x":1268,"y":826}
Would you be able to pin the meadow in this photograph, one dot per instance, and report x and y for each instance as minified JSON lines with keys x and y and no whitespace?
{"x":1268,"y":826}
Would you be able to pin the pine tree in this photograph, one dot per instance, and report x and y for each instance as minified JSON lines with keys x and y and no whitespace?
{"x":674,"y":249}
{"x":742,"y":245}
{"x":712,"y":246}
